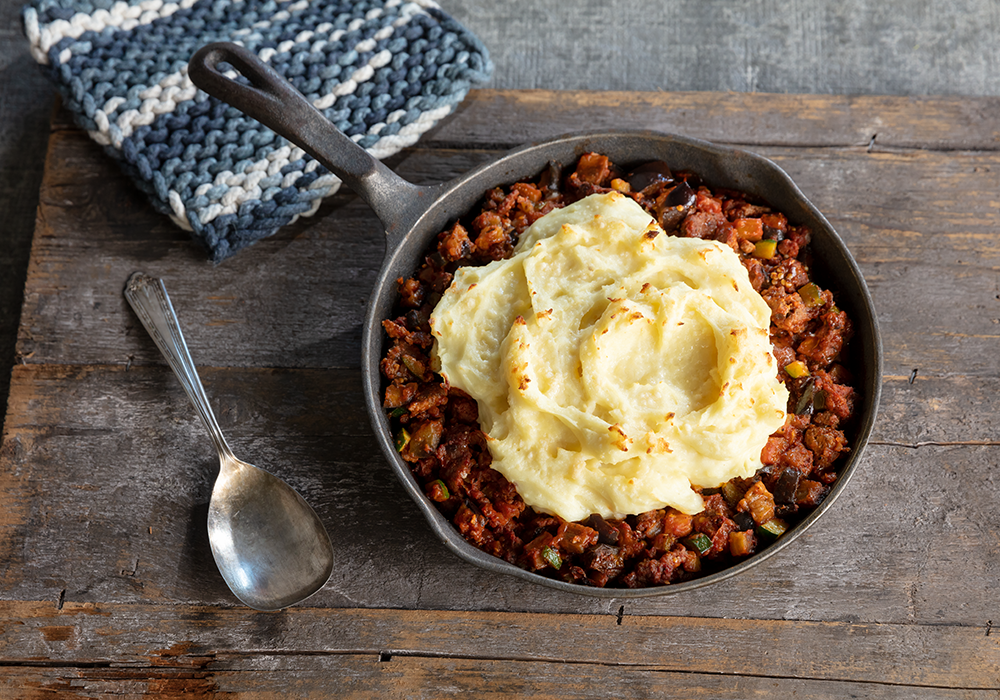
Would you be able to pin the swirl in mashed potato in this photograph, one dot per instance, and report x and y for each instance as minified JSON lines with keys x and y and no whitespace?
{"x":614,"y":366}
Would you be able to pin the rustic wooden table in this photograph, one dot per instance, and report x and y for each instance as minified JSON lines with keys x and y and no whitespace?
{"x":107,"y":585}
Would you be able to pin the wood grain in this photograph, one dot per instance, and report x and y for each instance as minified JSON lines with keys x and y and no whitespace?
{"x":106,"y":581}
{"x":798,"y":46}
{"x":354,"y":677}
{"x":507,"y":118}
{"x":916,"y":656}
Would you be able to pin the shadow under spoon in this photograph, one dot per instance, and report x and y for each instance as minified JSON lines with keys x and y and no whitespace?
{"x":269,"y":544}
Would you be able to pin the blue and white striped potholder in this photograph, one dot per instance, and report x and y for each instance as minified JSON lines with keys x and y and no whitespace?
{"x":382,"y":71}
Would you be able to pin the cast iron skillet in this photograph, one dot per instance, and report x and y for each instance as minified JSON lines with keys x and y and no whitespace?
{"x":413,"y":216}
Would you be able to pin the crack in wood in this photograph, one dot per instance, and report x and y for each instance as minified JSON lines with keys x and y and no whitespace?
{"x":137,"y":671}
{"x":936,"y":443}
{"x":818,"y":679}
{"x":33,"y":663}
{"x":989,"y":627}
{"x":62,"y":599}
{"x":500,"y":147}
{"x":913,"y":375}
{"x":621,"y":614}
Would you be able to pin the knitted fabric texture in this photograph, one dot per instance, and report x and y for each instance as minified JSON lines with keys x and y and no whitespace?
{"x":382,"y":71}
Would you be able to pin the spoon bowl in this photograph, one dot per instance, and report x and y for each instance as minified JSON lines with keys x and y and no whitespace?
{"x":270,"y":552}
{"x":270,"y":546}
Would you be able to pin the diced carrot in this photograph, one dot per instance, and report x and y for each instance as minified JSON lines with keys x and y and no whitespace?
{"x":749,"y":229}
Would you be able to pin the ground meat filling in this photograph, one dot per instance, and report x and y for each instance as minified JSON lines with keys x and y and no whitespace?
{"x":437,"y":427}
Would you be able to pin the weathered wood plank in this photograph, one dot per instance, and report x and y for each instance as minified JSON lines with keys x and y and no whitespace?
{"x":105,"y":474}
{"x":376,"y":676}
{"x":758,"y":45}
{"x":918,"y":656}
{"x":506,"y":118}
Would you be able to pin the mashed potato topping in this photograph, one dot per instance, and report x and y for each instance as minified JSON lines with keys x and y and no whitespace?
{"x":614,"y":366}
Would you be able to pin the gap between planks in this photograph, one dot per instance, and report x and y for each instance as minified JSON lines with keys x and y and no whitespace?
{"x":501,"y":119}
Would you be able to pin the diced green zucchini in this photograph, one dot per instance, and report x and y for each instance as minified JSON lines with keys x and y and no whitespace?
{"x":551,"y":555}
{"x":805,"y":403}
{"x":699,"y":542}
{"x":797,"y":369}
{"x":811,"y":295}
{"x":445,"y":494}
{"x":731,"y":493}
{"x":772,"y":529}
{"x":402,"y":439}
{"x":765,"y":249}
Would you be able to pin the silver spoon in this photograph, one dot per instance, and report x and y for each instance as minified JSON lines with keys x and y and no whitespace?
{"x":269,"y":545}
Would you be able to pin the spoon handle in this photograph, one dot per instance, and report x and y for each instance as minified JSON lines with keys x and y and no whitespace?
{"x":148,"y":298}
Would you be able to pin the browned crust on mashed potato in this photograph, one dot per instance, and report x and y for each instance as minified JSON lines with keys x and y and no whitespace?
{"x":438,"y":426}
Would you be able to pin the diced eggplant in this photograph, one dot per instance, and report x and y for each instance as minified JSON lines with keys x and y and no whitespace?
{"x":606,"y":533}
{"x":673,"y":205}
{"x":648,"y":174}
{"x":786,"y":485}
{"x":744,"y":521}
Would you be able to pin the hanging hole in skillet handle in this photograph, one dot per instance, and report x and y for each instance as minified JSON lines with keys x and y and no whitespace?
{"x":275,"y":103}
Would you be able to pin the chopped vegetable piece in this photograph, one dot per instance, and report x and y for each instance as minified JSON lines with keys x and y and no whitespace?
{"x":439,"y":491}
{"x":749,"y":229}
{"x":698,"y":542}
{"x":575,"y":538}
{"x":742,"y":543}
{"x":774,"y":220}
{"x":663,"y":542}
{"x":797,"y":369}
{"x":693,"y":562}
{"x":765,"y":249}
{"x":809,"y":493}
{"x":677,"y":523}
{"x":811,"y":295}
{"x":772,"y":529}
{"x":819,"y":400}
{"x":786,"y":485}
{"x":606,"y":533}
{"x":397,"y":412}
{"x":414,"y":365}
{"x":402,"y":439}
{"x":759,"y":502}
{"x":731,"y":493}
{"x":621,"y":186}
{"x":744,"y":521}
{"x":550,"y":555}
{"x":805,"y":404}
{"x":425,"y":439}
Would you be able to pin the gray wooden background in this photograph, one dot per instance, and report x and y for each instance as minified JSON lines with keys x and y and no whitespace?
{"x":897,"y":47}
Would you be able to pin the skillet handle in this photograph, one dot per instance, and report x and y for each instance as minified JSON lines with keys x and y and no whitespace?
{"x":271,"y":100}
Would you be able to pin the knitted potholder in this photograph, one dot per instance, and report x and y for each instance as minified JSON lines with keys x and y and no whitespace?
{"x":382,"y":71}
